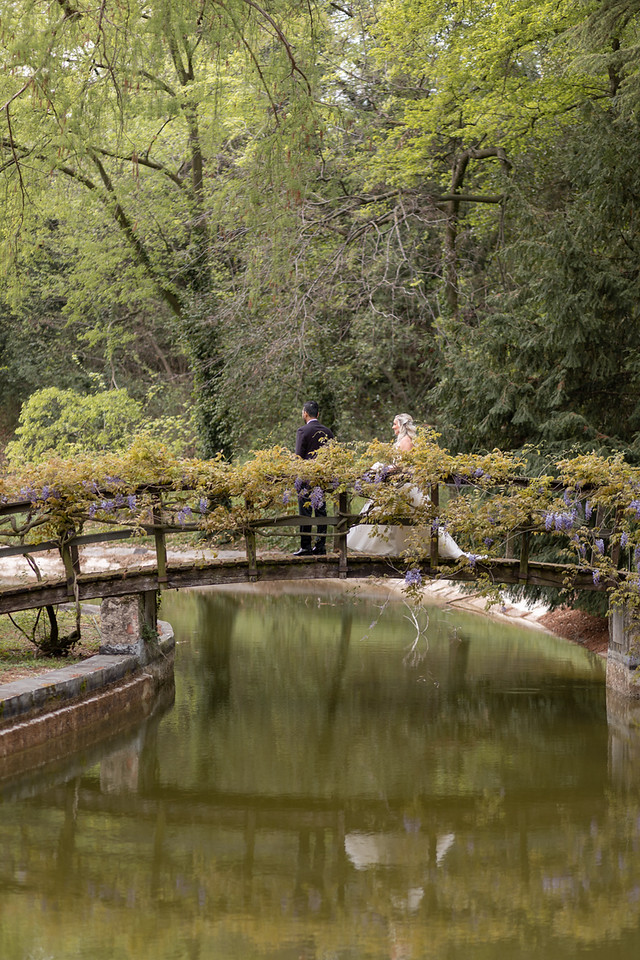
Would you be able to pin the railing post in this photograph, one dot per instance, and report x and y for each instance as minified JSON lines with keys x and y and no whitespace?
{"x":250,"y":547}
{"x":615,"y":549}
{"x":341,"y":534}
{"x":70,"y":560}
{"x":433,"y":546}
{"x":599,"y":522}
{"x":508,"y":548}
{"x":160,"y":541}
{"x":523,"y":573}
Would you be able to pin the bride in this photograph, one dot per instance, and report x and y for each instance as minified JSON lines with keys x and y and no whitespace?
{"x":391,"y":541}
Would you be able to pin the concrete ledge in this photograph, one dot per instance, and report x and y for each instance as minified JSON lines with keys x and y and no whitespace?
{"x":51,"y":689}
{"x":127,"y":698}
{"x":31,"y":697}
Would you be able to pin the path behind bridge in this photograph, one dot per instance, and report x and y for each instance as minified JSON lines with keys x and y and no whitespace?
{"x":99,"y":558}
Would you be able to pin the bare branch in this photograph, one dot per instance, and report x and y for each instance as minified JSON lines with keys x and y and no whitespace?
{"x":144,"y":161}
{"x":283,"y":40}
{"x":127,"y":228}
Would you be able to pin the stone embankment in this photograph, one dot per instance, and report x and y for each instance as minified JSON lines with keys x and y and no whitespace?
{"x":70,"y":705}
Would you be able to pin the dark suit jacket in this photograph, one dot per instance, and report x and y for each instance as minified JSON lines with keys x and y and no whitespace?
{"x":310,"y":438}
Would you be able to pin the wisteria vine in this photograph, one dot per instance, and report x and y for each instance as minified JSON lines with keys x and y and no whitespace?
{"x":589,"y":505}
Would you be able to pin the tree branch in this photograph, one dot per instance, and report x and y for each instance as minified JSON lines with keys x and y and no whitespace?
{"x":283,"y":40}
{"x":127,"y":228}
{"x":144,"y":161}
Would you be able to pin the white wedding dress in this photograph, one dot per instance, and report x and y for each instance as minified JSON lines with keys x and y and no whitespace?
{"x":392,"y":541}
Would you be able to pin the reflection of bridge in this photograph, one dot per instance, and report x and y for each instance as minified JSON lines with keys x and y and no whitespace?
{"x":258,"y":565}
{"x":121,"y":823}
{"x":170,"y":846}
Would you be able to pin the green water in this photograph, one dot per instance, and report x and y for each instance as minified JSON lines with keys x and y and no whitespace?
{"x":328,"y":785}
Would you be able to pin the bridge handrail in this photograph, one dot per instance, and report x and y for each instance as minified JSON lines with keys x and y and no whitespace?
{"x":68,"y":538}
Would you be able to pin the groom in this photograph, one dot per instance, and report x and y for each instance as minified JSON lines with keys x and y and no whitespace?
{"x":309,"y":439}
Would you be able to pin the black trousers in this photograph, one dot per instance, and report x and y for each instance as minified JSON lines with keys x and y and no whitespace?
{"x":306,"y":510}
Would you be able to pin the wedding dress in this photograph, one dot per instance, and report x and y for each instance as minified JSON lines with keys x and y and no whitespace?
{"x":392,"y":541}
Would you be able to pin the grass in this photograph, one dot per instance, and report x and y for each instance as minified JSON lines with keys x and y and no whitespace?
{"x":20,"y":657}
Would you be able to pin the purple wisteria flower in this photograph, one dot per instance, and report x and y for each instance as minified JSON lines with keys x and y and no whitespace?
{"x":93,"y":509}
{"x":635,"y":505}
{"x":567,"y":497}
{"x":488,"y":541}
{"x":624,"y":538}
{"x":358,"y":488}
{"x":299,"y":485}
{"x":183,"y":515}
{"x":596,"y":577}
{"x":317,"y":498}
{"x":458,"y":481}
{"x":131,"y":502}
{"x":286,"y":497}
{"x":413,"y":577}
{"x":599,"y":545}
{"x":478,"y":473}
{"x":472,"y":558}
{"x":381,"y":473}
{"x":559,"y":521}
{"x":202,"y":505}
{"x":565,"y":521}
{"x":588,"y":510}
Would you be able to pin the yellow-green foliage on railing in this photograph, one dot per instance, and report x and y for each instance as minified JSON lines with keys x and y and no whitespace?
{"x":589,"y":503}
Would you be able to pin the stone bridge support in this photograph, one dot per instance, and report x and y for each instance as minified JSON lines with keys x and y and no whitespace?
{"x":129,"y":625}
{"x":623,"y":658}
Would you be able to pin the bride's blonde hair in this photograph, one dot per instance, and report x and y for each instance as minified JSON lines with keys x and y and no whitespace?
{"x":406,"y":424}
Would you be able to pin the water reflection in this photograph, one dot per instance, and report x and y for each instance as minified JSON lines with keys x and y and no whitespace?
{"x":317,"y":793}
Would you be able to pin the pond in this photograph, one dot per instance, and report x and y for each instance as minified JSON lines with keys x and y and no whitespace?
{"x":333,"y":781}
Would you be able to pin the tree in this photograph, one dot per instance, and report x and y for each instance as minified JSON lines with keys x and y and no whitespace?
{"x":126,"y":120}
{"x":300,"y":211}
{"x":552,"y":357}
{"x":66,"y":423}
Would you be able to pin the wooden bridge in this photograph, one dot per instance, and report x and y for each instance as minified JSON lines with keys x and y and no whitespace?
{"x":255,"y":562}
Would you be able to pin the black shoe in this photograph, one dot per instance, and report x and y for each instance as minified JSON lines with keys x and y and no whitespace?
{"x":303,"y":552}
{"x":320,"y":550}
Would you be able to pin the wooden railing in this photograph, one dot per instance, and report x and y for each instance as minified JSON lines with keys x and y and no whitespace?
{"x":510,"y":569}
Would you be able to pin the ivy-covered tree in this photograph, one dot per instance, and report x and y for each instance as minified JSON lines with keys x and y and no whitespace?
{"x":123,"y":121}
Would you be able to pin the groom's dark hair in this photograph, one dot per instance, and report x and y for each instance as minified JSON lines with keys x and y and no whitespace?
{"x":311,"y":407}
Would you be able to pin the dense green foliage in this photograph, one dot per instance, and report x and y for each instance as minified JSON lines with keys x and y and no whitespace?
{"x":66,"y":422}
{"x":386,"y":205}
